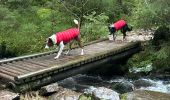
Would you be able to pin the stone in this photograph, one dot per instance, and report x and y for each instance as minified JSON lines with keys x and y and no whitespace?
{"x":145,"y":95}
{"x":49,"y":89}
{"x":65,"y":94}
{"x":102,"y":93}
{"x":7,"y":95}
{"x":143,"y":83}
{"x":123,"y":87}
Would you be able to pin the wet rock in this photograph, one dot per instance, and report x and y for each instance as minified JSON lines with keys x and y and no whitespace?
{"x":103,"y":93}
{"x":7,"y":95}
{"x":65,"y":94}
{"x":143,"y":83}
{"x":68,"y":83}
{"x":106,"y":94}
{"x":145,"y":95}
{"x":90,"y":80}
{"x":123,"y":87}
{"x":49,"y":89}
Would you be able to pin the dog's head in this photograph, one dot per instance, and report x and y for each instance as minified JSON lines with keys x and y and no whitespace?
{"x":112,"y":30}
{"x":49,"y":43}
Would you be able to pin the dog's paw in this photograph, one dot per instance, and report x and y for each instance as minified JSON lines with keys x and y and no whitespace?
{"x":66,"y":53}
{"x":56,"y":57}
{"x":125,"y":40}
{"x":82,"y":53}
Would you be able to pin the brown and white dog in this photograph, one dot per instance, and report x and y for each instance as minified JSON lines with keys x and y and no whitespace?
{"x":119,"y":25}
{"x":64,"y":37}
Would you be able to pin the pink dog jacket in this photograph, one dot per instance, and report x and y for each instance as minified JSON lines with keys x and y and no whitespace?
{"x":67,"y":35}
{"x":119,"y":24}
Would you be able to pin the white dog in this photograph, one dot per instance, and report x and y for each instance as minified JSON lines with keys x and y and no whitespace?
{"x":64,"y":37}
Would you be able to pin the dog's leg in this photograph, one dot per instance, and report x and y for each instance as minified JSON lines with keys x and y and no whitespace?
{"x":61,"y":47}
{"x":114,"y":37}
{"x":124,"y":35}
{"x":78,"y":39}
{"x":112,"y":31}
{"x":123,"y":30}
{"x":69,"y":48}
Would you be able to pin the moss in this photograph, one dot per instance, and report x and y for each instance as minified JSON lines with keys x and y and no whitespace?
{"x":86,"y":97}
{"x":123,"y":96}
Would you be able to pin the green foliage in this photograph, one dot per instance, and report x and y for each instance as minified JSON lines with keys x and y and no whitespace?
{"x":162,"y":65}
{"x":141,"y":60}
{"x":151,"y":13}
{"x":24,"y":31}
{"x":86,"y":97}
{"x":94,"y":26}
{"x":44,"y":13}
{"x":25,"y":24}
{"x":158,"y":58}
{"x":8,"y":20}
{"x":163,"y":53}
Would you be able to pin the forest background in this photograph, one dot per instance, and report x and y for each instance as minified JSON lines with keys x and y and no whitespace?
{"x":25,"y":24}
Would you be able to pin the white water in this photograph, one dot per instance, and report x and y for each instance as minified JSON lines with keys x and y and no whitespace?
{"x":89,"y":83}
{"x":158,"y":86}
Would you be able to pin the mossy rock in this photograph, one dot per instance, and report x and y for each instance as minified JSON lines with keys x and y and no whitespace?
{"x":161,"y":34}
{"x":145,"y":95}
{"x":86,"y":97}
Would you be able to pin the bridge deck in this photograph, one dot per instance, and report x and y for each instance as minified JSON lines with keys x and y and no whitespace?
{"x":34,"y":66}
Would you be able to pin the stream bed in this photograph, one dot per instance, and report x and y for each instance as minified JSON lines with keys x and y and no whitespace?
{"x":86,"y":83}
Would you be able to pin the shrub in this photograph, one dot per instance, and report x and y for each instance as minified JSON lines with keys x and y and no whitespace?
{"x":94,"y":27}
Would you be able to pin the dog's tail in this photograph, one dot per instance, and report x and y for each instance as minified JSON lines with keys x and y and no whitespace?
{"x":77,"y":23}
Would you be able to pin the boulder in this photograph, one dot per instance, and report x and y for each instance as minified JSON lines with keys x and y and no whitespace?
{"x":65,"y":94}
{"x":145,"y":95}
{"x":7,"y":95}
{"x":143,"y":83}
{"x":106,"y":94}
{"x":123,"y":87}
{"x":102,"y":93}
{"x":49,"y":89}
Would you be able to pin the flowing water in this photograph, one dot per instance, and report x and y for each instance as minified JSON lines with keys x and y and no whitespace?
{"x":86,"y":83}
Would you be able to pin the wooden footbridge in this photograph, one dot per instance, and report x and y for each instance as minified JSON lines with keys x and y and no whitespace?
{"x":33,"y":71}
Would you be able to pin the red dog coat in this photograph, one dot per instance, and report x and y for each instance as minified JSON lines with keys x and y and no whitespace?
{"x":67,"y":35}
{"x":119,"y":24}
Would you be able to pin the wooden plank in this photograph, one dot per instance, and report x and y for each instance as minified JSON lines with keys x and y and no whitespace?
{"x":7,"y":77}
{"x":15,"y":68}
{"x":10,"y":70}
{"x":43,"y":64}
{"x":7,"y":73}
{"x":34,"y":65}
{"x":22,"y":66}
